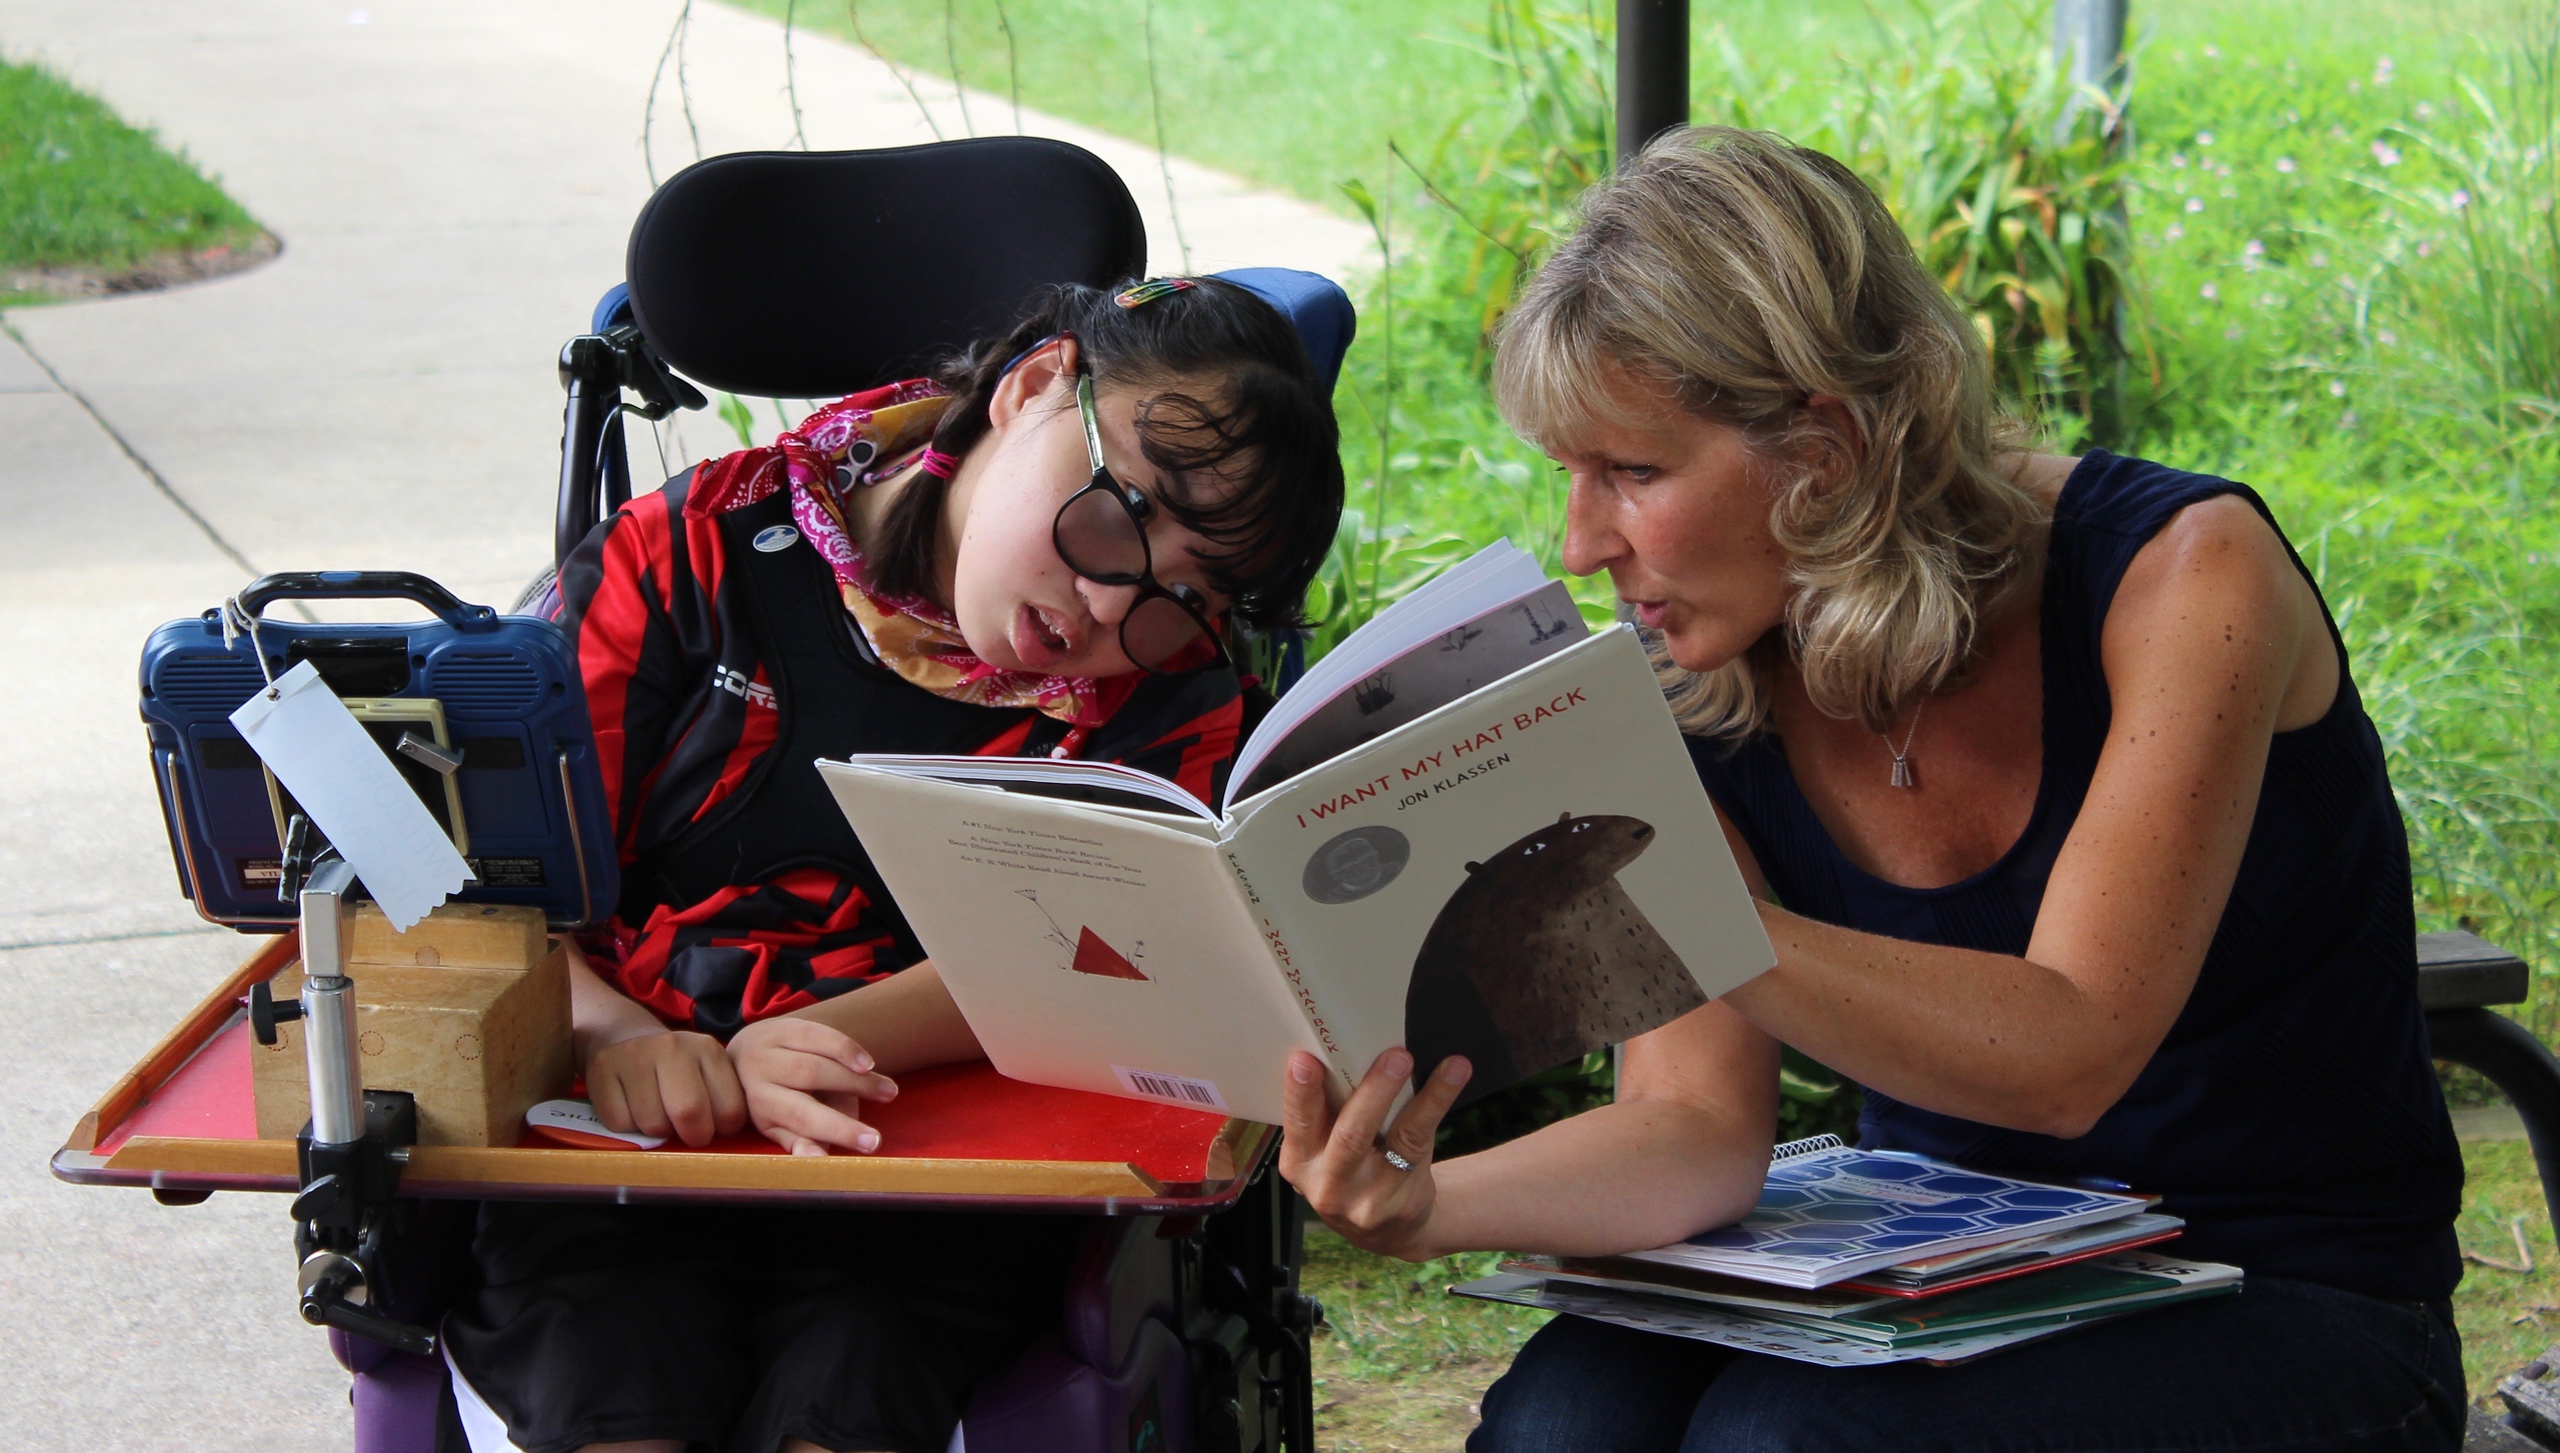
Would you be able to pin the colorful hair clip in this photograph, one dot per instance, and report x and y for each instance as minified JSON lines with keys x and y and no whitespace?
{"x":1152,"y":289}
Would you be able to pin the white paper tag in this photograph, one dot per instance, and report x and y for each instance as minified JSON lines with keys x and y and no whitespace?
{"x":324,"y":757}
{"x":579,"y":1117}
{"x":1154,"y":1085}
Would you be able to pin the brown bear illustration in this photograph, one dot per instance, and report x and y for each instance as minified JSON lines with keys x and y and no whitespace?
{"x":1540,"y":958}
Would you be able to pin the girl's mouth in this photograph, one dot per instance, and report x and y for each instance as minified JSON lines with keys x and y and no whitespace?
{"x":1040,"y":641}
{"x":1649,"y":613}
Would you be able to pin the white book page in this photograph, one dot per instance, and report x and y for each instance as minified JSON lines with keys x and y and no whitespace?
{"x":1484,"y":581}
{"x":1570,"y":768}
{"x":1467,"y":657}
{"x":1086,"y":947}
{"x":1046,"y":774}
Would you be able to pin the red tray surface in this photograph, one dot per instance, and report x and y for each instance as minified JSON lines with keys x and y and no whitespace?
{"x":958,"y":1112}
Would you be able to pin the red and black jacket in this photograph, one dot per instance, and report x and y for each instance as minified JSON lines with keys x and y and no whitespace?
{"x":720,"y":663}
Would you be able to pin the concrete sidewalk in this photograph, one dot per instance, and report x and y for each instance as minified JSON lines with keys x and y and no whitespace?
{"x":453,"y":181}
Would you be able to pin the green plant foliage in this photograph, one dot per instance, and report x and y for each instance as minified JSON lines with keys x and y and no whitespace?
{"x":2008,"y":181}
{"x":741,"y":420}
{"x":1541,"y":1099}
{"x":78,"y":187}
{"x":2490,"y":309}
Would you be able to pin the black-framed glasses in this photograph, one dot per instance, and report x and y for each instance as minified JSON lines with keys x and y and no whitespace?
{"x":1101,"y":534}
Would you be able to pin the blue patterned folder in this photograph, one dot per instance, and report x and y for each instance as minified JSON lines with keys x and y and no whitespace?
{"x":1830,"y":1212}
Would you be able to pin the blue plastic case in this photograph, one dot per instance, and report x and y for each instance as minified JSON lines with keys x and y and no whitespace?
{"x":504,"y":691}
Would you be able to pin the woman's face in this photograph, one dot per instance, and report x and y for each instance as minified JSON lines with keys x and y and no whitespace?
{"x":1676,"y":509}
{"x":1018,"y":604}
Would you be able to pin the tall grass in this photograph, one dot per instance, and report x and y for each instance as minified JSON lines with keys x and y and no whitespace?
{"x":2490,"y":309}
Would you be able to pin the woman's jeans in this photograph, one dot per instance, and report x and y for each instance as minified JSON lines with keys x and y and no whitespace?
{"x":2282,"y":1365}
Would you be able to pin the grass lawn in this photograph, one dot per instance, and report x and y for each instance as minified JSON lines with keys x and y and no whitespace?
{"x":2507,"y":1317}
{"x":83,"y":196}
{"x":1400,"y":1365}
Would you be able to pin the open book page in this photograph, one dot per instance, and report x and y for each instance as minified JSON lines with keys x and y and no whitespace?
{"x":1477,"y":586}
{"x":1482,"y":619}
{"x":1087,"y":948}
{"x":1103,"y":783}
{"x":1523,"y":876}
{"x":1473,"y":654}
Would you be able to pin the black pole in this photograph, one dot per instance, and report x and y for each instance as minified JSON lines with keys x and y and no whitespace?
{"x":1653,"y":71}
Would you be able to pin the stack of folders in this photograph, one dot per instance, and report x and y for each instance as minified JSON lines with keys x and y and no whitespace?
{"x":1855,"y":1258}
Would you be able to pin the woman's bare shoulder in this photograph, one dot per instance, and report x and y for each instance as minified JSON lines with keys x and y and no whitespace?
{"x":2217,"y":579}
{"x":2222,"y":539}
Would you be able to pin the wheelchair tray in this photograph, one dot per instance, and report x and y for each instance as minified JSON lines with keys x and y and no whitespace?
{"x":184,"y":1121}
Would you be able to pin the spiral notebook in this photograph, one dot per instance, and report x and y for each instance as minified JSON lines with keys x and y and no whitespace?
{"x":1831,"y":1212}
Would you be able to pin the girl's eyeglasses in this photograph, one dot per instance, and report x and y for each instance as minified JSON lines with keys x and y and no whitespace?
{"x":1101,"y":534}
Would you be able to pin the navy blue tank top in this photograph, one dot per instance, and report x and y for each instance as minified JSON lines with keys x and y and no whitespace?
{"x":2292,"y":1115}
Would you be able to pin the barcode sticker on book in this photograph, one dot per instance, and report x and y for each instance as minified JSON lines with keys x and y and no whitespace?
{"x":1200,"y":1093}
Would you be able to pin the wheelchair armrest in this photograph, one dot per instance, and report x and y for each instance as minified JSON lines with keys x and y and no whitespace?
{"x":1123,"y":1279}
{"x":2459,"y":970}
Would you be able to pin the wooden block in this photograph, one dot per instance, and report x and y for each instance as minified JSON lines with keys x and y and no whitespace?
{"x":477,"y":1046}
{"x":455,"y":935}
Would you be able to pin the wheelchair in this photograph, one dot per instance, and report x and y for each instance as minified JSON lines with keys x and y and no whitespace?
{"x":1183,"y":1327}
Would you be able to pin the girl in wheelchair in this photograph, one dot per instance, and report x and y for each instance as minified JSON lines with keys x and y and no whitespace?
{"x":1038,"y":549}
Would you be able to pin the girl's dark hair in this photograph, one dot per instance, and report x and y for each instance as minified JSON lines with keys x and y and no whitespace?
{"x":1254,"y":462}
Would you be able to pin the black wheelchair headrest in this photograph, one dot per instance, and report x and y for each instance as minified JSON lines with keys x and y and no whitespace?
{"x":788,"y":274}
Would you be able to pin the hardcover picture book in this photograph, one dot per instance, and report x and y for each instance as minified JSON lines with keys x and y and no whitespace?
{"x":1471,"y":829}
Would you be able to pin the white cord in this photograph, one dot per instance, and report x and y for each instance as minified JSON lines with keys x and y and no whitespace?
{"x":236,"y":621}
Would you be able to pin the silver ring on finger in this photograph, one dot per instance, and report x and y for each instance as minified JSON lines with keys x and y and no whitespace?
{"x":1393,"y":1159}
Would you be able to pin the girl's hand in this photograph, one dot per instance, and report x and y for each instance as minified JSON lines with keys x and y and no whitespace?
{"x":1339,"y":1163}
{"x":802,"y":1082}
{"x":667,"y":1082}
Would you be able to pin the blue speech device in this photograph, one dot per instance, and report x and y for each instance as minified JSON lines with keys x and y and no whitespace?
{"x":483,"y":714}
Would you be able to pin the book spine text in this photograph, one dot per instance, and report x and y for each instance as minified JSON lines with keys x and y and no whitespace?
{"x":1277,"y":945}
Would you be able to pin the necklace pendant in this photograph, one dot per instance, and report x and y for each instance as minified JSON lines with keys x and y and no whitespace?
{"x":1902,"y":774}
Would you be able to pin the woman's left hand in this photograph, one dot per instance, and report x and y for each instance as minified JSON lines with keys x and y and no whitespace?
{"x":1338,"y":1160}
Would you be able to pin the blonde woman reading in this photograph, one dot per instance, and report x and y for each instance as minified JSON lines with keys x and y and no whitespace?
{"x":2073,"y":837}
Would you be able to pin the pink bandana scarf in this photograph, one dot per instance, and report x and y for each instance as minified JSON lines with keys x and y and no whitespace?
{"x":861,"y":441}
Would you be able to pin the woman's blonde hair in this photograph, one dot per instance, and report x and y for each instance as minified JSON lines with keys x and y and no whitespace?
{"x":1743,"y":275}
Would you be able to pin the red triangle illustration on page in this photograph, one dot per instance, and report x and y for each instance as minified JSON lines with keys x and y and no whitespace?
{"x":1093,"y":956}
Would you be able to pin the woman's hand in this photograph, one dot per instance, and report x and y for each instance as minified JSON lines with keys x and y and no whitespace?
{"x":1339,"y":1162}
{"x":667,"y":1082}
{"x":803,"y":1079}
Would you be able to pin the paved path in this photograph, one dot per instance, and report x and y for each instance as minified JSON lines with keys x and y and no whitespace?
{"x":453,"y":180}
